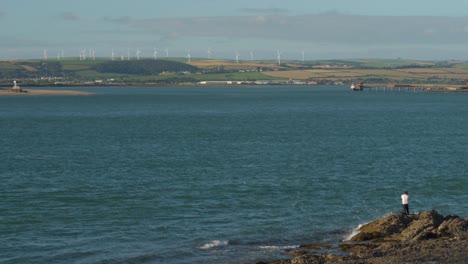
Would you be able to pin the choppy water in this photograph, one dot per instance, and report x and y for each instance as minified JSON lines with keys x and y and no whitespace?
{"x":218,"y":175}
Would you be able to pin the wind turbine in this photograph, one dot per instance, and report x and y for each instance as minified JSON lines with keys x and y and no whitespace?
{"x":251,"y":55}
{"x":303,"y":56}
{"x":189,"y":56}
{"x":83,"y":54}
{"x":237,"y":56}
{"x":278,"y":57}
{"x":167,"y":52}
{"x":138,"y":54}
{"x":63,"y":54}
{"x":44,"y":54}
{"x":128,"y":54}
{"x":113,"y":55}
{"x":209,"y":53}
{"x":155,"y":54}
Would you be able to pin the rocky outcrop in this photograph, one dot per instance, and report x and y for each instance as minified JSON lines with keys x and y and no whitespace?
{"x":427,"y":237}
{"x":422,"y":226}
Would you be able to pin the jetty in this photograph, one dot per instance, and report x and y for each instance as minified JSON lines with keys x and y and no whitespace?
{"x":392,"y":87}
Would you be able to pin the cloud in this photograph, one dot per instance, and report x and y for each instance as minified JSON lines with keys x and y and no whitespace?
{"x":70,"y":16}
{"x":359,"y":30}
{"x":119,"y":20}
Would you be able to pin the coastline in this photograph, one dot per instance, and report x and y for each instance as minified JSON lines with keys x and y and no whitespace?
{"x":426,"y":237}
{"x":369,"y":87}
{"x":43,"y":92}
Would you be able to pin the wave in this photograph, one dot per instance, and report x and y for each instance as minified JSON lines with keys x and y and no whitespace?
{"x":215,"y":243}
{"x":354,"y":232}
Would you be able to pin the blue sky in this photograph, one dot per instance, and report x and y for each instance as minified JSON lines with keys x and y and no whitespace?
{"x":322,"y":29}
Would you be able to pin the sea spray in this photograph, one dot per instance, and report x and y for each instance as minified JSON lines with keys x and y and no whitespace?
{"x":214,"y":244}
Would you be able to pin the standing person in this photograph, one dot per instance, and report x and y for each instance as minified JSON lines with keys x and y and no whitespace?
{"x":404,"y":201}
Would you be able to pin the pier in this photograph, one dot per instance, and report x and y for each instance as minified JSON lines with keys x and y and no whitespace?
{"x":416,"y":88}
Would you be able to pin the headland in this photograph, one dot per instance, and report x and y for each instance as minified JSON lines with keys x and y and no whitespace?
{"x":426,"y":237}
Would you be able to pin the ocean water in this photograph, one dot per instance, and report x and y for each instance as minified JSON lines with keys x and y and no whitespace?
{"x":220,"y":174}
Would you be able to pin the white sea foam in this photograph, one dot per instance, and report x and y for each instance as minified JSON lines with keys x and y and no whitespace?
{"x":279,"y":247}
{"x":215,"y":243}
{"x":354,"y":232}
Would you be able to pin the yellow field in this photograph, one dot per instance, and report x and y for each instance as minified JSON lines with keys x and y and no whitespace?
{"x":342,"y":74}
{"x":232,"y":64}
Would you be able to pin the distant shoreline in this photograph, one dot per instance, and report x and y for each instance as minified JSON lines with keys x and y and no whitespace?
{"x":31,"y":90}
{"x":43,"y":92}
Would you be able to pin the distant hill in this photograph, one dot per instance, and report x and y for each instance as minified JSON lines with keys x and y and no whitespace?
{"x":143,"y":67}
{"x":30,"y":69}
{"x":74,"y":71}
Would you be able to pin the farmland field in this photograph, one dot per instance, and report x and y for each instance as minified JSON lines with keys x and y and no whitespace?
{"x":391,"y":74}
{"x":322,"y":71}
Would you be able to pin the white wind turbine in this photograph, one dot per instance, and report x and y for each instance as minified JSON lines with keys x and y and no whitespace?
{"x":251,"y":55}
{"x":303,"y":56}
{"x":113,"y":55}
{"x":209,"y":53}
{"x":44,"y":54}
{"x":155,"y":54}
{"x":167,"y":52}
{"x":83,"y":54}
{"x":138,"y":54}
{"x":278,"y":57}
{"x":237,"y":56}
{"x":189,"y":56}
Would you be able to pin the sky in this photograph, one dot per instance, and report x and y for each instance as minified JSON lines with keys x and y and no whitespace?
{"x":258,"y":29}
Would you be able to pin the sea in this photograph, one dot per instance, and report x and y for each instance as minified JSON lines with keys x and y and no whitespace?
{"x":219,"y":174}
